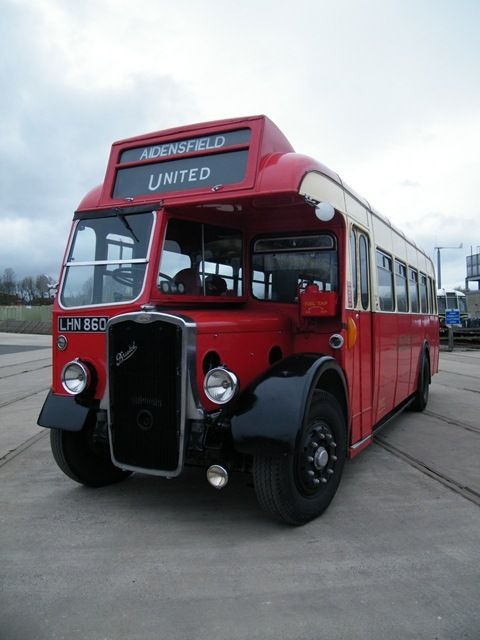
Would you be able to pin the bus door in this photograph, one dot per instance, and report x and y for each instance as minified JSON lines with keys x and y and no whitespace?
{"x":362,"y":369}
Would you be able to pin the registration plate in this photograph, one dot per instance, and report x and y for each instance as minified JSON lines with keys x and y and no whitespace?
{"x":82,"y":324}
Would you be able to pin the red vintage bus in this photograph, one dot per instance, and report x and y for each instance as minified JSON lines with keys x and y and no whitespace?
{"x":229,"y":303}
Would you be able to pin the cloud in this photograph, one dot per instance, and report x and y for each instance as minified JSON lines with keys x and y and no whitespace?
{"x":55,"y":140}
{"x":386,"y":95}
{"x":442,"y":209}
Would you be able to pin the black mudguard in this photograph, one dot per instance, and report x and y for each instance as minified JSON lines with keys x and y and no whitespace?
{"x":270,"y":413}
{"x":63,"y":412}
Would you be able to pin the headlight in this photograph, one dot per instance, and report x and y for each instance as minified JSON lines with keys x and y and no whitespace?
{"x":75,"y":377}
{"x":62,"y":343}
{"x":220,"y":385}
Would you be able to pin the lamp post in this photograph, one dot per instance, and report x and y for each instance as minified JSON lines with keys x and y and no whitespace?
{"x":439,"y":267}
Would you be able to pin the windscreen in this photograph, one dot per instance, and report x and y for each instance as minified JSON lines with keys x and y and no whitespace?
{"x":107,"y":260}
{"x":201,"y":260}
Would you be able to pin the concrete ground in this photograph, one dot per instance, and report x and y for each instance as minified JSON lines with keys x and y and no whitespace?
{"x":396,"y":556}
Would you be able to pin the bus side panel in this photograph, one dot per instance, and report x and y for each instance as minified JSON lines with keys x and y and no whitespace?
{"x":359,"y":368}
{"x":434,"y":339}
{"x":405,"y":338}
{"x":386,"y":363}
{"x":419,"y":336}
{"x":352,"y":362}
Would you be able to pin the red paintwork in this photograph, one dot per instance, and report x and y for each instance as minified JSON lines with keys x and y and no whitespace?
{"x":381,"y":368}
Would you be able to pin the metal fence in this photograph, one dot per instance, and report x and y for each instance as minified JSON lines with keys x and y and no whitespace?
{"x":25,"y":319}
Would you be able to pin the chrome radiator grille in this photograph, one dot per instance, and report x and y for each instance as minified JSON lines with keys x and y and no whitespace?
{"x":145,"y":394}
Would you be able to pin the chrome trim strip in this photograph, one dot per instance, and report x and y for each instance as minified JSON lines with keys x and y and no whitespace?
{"x":89,"y":263}
{"x":186,"y":393}
{"x":359,"y":444}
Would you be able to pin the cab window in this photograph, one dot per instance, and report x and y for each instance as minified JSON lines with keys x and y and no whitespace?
{"x":200,"y":260}
{"x":280,"y":265}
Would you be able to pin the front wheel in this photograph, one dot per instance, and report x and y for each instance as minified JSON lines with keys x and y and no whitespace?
{"x":298,"y":487}
{"x":83,"y":460}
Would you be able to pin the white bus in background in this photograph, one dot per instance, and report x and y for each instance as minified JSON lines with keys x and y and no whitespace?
{"x":452,"y":300}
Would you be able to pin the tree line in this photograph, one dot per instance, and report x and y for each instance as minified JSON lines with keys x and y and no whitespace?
{"x":31,"y":290}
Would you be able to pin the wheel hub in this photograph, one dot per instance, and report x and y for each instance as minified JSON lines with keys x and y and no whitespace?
{"x":320,"y":459}
{"x":316,"y":459}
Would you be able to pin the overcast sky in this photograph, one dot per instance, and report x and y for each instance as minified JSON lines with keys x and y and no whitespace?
{"x":384,"y":92}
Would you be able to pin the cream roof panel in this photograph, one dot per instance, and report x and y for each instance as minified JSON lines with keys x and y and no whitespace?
{"x":323,"y":189}
{"x":422,"y":262}
{"x":382,"y":234}
{"x":412,"y":254}
{"x":399,"y":246}
{"x":353,"y":193}
{"x":385,"y":235}
{"x":356,"y":210}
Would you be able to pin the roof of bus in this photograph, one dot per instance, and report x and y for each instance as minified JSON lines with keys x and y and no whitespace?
{"x":273,"y":167}
{"x":443,"y":292}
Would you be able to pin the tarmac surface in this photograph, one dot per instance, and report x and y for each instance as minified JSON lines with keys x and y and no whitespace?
{"x":396,"y":556}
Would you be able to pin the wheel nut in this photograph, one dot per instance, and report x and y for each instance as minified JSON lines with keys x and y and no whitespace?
{"x":334,"y":458}
{"x":324,"y":480}
{"x":309,"y":458}
{"x":316,"y":481}
{"x":330,"y":471}
{"x":311,"y":473}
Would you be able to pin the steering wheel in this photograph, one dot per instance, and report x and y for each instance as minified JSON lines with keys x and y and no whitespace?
{"x":123,"y":275}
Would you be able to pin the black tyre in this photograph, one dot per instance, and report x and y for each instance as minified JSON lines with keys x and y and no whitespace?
{"x":83,"y":460}
{"x":420,"y":400}
{"x":298,"y":487}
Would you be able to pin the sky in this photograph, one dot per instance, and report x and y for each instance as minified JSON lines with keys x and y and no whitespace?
{"x":384,"y":92}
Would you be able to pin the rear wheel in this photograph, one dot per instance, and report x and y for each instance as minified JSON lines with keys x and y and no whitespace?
{"x":298,"y":487}
{"x":84,"y":460}
{"x":420,"y":400}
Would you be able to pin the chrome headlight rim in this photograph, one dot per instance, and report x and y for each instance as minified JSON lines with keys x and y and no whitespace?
{"x":84,"y":376}
{"x":62,"y":342}
{"x":230,"y":380}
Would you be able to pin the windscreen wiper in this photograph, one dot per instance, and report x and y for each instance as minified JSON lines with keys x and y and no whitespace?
{"x":121,"y":216}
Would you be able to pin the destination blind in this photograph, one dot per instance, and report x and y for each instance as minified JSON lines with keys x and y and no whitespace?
{"x":216,"y":142}
{"x":181,"y":174}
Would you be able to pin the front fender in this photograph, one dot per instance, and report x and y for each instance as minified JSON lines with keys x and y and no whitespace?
{"x":269,"y":414}
{"x":63,"y":412}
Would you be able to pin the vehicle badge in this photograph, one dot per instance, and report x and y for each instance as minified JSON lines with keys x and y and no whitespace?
{"x":125,"y":355}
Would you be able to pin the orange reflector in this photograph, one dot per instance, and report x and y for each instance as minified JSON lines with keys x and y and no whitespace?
{"x":351,"y":333}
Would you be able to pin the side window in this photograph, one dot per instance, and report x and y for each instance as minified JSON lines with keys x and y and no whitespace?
{"x":401,"y":286}
{"x":413,"y":290}
{"x":353,"y":261}
{"x":423,"y":293}
{"x":385,"y":281}
{"x":364,"y":271}
{"x":433,"y":298}
{"x":201,"y":260}
{"x":261,"y":285}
